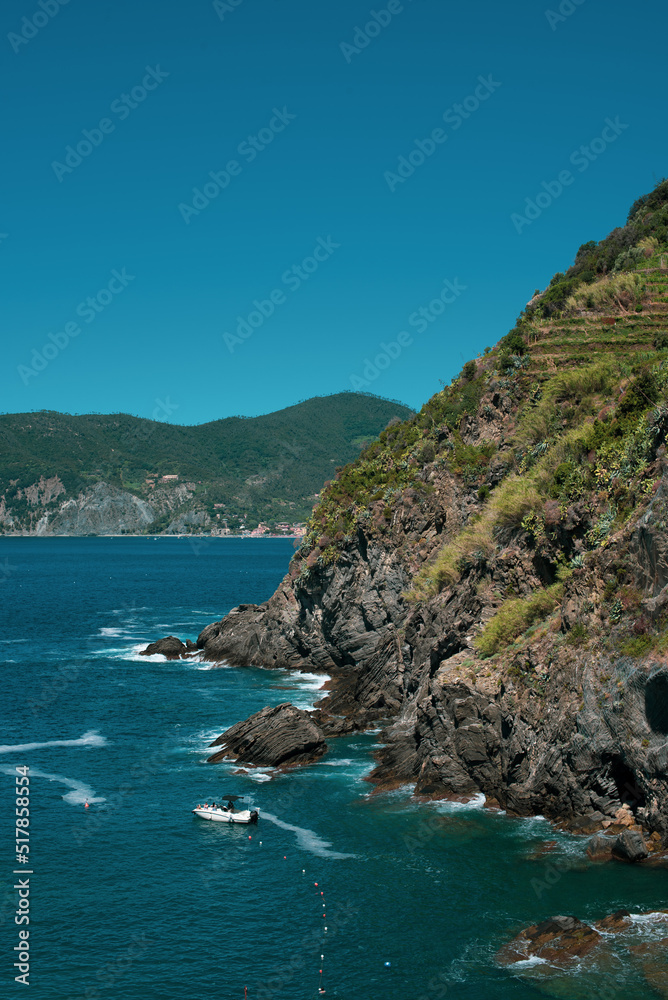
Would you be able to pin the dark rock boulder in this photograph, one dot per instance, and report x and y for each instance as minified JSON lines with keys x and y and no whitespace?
{"x":614,"y":923}
{"x":170,"y":647}
{"x":283,"y":736}
{"x":558,"y":941}
{"x":630,"y":846}
{"x":600,"y":848}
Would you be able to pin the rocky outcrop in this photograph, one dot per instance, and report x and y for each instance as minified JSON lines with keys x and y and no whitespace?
{"x":559,"y":941}
{"x":103,"y":510}
{"x":600,"y":848}
{"x":283,"y":736}
{"x":630,"y":846}
{"x":491,"y":580}
{"x":171,"y":648}
{"x":578,"y":736}
{"x":342,"y":618}
{"x":560,"y":944}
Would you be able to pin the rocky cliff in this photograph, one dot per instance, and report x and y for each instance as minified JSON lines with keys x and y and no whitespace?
{"x":492,"y":575}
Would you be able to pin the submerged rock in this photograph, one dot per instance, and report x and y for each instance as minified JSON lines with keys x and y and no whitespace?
{"x":652,"y":956}
{"x":170,"y":647}
{"x":558,"y":941}
{"x":283,"y":736}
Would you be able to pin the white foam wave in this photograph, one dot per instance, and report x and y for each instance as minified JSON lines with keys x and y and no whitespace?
{"x":134,"y":654}
{"x":656,"y":916}
{"x":259,"y":776}
{"x":527,"y":963}
{"x":311,"y":682}
{"x":89,"y":739}
{"x":307,"y":839}
{"x":112,"y":631}
{"x":476,"y":802}
{"x":337,"y":763}
{"x":131,"y":653}
{"x":81,"y":792}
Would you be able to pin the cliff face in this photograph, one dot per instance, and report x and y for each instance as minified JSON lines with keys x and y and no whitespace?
{"x":575,"y":733}
{"x":572,"y":731}
{"x":103,"y":510}
{"x":492,"y":576}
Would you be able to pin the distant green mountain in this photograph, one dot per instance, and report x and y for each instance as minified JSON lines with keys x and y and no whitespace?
{"x":241,"y":470}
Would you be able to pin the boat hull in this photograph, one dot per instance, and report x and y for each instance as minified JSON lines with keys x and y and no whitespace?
{"x":224,"y":816}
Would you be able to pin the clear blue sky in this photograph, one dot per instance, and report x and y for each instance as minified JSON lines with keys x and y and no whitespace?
{"x":332,"y":111}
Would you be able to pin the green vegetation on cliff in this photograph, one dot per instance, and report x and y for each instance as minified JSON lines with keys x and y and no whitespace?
{"x":550,"y":439}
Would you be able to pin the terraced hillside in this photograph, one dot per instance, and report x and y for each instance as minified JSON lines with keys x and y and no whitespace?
{"x":572,"y":340}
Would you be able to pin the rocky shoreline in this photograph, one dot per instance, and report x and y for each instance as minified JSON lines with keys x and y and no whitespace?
{"x":547,"y":951}
{"x":574,"y":735}
{"x":572,"y":731}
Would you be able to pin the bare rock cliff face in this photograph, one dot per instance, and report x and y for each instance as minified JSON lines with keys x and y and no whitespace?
{"x":576,"y":734}
{"x":346,"y":619}
{"x":103,"y":510}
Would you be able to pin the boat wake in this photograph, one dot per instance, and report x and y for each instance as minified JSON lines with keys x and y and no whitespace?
{"x":79,"y":794}
{"x":307,"y":839}
{"x":89,"y":739}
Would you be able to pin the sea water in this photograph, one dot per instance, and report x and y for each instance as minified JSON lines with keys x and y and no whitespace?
{"x":363,"y":895}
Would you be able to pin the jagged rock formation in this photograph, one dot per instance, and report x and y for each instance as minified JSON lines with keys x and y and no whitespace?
{"x":492,"y":575}
{"x":283,"y":736}
{"x":561,"y":943}
{"x":558,"y":941}
{"x":630,"y":846}
{"x":577,"y":735}
{"x":171,"y":648}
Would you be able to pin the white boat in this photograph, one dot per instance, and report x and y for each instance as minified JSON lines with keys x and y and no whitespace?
{"x":228,"y":813}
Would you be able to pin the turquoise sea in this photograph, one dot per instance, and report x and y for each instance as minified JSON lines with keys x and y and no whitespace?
{"x":133,"y":898}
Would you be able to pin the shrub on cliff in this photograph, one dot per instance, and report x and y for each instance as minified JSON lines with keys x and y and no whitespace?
{"x":623,"y":291}
{"x":515,"y":616}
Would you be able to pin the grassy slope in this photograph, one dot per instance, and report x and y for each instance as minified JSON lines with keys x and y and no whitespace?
{"x":286,"y":455}
{"x":587,"y":388}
